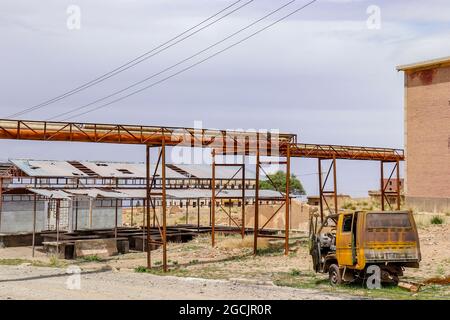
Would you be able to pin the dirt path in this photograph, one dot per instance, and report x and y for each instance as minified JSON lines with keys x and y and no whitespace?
{"x":26,"y":282}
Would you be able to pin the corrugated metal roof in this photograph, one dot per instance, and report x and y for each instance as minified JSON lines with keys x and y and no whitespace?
{"x":202,"y":193}
{"x":141,"y":193}
{"x":47,"y":168}
{"x":104,"y":169}
{"x":203,"y":171}
{"x":54,"y":194}
{"x":425,"y":64}
{"x":97,"y":193}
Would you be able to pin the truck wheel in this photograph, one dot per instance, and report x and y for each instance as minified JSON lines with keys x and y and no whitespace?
{"x":335,"y":275}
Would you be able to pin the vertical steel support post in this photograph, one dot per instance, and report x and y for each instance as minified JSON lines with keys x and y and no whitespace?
{"x":164,"y":204}
{"x":287,"y":206}
{"x":256,"y":226}
{"x":33,"y":244}
{"x":398,"y":185}
{"x":144,"y":205}
{"x":382,"y":185}
{"x":213,"y":198}
{"x":198,"y":214}
{"x":132,"y":213}
{"x":335,"y":186}
{"x":187,"y":211}
{"x":76,"y":213}
{"x":57,"y":226}
{"x":147,"y":204}
{"x":1,"y":202}
{"x":116,"y":219}
{"x":320,"y":189}
{"x":91,"y":205}
{"x":243,"y":198}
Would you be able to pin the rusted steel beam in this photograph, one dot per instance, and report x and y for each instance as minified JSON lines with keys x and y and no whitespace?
{"x":226,"y":142}
{"x":323,"y":151}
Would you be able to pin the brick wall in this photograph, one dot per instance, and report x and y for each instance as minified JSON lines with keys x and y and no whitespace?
{"x":427,"y":133}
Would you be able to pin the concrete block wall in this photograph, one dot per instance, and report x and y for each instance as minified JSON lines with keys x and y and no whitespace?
{"x":17,"y":216}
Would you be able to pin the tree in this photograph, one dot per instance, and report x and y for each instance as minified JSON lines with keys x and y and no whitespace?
{"x":279,"y":183}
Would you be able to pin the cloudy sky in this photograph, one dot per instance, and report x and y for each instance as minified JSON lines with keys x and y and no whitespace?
{"x":326,"y":73}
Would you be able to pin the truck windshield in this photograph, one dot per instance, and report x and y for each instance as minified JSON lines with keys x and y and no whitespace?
{"x":388,"y":220}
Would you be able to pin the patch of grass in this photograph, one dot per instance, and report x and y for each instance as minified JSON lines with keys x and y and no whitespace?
{"x":55,"y":262}
{"x":312,"y":281}
{"x":437,"y":220}
{"x":13,"y":262}
{"x":440,"y":271}
{"x":158,"y":263}
{"x":271,"y":250}
{"x":195,"y":261}
{"x":159,"y":271}
{"x":295,"y":272}
{"x":93,"y":258}
{"x":238,"y":243}
{"x":140,"y":269}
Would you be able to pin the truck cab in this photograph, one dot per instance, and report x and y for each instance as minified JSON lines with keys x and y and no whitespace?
{"x":359,"y":239}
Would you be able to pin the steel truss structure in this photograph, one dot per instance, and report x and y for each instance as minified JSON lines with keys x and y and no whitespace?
{"x":221,"y":142}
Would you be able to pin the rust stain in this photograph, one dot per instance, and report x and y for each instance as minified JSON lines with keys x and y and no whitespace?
{"x":425,"y":76}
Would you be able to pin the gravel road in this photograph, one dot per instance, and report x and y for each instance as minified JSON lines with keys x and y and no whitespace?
{"x":27,"y":282}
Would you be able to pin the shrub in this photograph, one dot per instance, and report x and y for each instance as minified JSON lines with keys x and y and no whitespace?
{"x":140,"y":269}
{"x":295,"y":272}
{"x":437,"y":220}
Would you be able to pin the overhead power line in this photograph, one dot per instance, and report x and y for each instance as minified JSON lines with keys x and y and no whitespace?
{"x":173,"y":65}
{"x":197,"y":63}
{"x":147,"y":55}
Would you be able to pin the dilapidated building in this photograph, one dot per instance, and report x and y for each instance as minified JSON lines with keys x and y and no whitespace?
{"x":427,"y":134}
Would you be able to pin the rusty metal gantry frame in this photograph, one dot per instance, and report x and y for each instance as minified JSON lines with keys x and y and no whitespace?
{"x":384,"y":195}
{"x":285,"y":203}
{"x":322,"y":186}
{"x":218,"y":140}
{"x":214,"y":196}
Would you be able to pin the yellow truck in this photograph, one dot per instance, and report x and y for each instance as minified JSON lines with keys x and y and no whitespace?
{"x":345,"y":245}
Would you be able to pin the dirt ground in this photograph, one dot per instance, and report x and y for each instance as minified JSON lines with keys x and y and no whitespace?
{"x":232,"y":260}
{"x":26,"y":282}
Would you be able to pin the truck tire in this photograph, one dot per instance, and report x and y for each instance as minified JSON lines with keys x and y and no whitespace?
{"x":334,"y":275}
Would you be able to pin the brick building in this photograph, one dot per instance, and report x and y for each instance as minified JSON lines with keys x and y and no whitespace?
{"x":427,"y":134}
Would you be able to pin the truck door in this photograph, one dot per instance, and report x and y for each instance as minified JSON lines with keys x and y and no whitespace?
{"x":345,"y":240}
